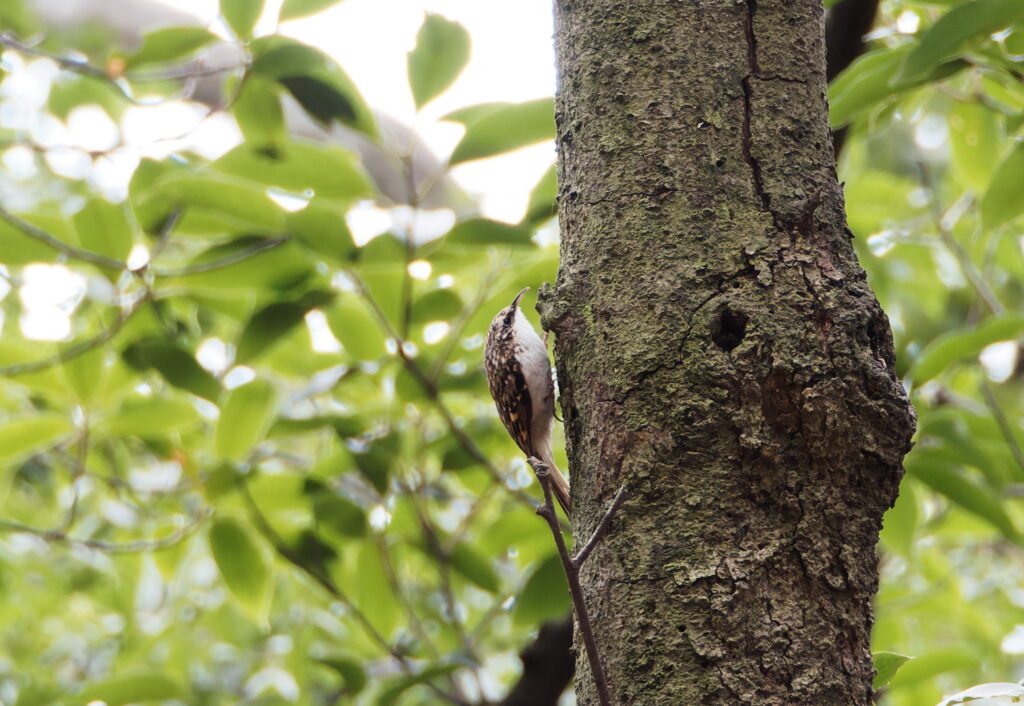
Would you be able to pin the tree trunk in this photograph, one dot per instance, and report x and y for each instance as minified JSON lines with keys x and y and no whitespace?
{"x":717,"y":344}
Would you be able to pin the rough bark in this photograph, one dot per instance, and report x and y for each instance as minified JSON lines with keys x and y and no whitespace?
{"x":718,"y":343}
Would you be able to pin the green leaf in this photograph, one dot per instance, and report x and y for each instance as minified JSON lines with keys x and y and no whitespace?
{"x":350,"y":670}
{"x":545,"y":595}
{"x":294,"y":9}
{"x":436,"y":305}
{"x":355,"y":327}
{"x":245,"y":418}
{"x":371,"y":591}
{"x":1002,"y":202}
{"x":440,"y":54}
{"x":869,"y":80}
{"x":977,"y":137}
{"x":930,"y":664}
{"x":341,"y":515}
{"x":382,"y":265}
{"x":951,"y":480}
{"x":279,"y":268}
{"x":169,"y":44}
{"x":257,"y":110}
{"x":132,"y":688}
{"x":542,"y":205}
{"x":886,"y":666}
{"x":68,"y":91}
{"x":268,"y":325}
{"x":150,"y":417}
{"x":24,"y":436}
{"x":474,"y":113}
{"x":87,"y":374}
{"x":945,"y":37}
{"x":899,"y":525}
{"x":376,"y":462}
{"x":505,"y":129}
{"x":314,"y":80}
{"x":231,"y":203}
{"x":475,"y":566}
{"x":481,"y":231}
{"x":324,"y":171}
{"x":175,"y":364}
{"x":104,"y":228}
{"x":241,"y":15}
{"x":947,"y":349}
{"x":322,"y":228}
{"x":244,"y":566}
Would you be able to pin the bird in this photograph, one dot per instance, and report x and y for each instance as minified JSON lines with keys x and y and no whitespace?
{"x":519,"y":378}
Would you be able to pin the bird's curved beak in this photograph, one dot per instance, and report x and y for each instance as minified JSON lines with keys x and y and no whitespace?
{"x":515,"y":302}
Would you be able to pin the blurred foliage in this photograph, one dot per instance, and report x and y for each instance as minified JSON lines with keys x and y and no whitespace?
{"x":262,"y":464}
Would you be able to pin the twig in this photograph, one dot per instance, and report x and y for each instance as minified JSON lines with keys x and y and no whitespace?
{"x":602,"y":526}
{"x":572,"y":575}
{"x":80,"y":348}
{"x":950,"y":241}
{"x":287,"y":553}
{"x":140,"y":545}
{"x":9,"y":40}
{"x":1004,"y":425}
{"x":244,"y":254}
{"x":59,"y":245}
{"x":164,"y":236}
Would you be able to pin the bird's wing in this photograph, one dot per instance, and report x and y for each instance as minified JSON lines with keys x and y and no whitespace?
{"x":510,"y":393}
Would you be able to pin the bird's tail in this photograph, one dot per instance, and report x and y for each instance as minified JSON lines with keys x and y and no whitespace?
{"x":559,"y":485}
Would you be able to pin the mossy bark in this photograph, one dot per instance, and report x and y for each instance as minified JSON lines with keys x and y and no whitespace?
{"x":718,"y":344}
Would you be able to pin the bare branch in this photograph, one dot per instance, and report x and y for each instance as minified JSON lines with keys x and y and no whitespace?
{"x":140,"y":545}
{"x":572,"y":575}
{"x":220,"y":263}
{"x":1004,"y":425}
{"x":77,"y":349}
{"x":602,"y":526}
{"x":59,"y":245}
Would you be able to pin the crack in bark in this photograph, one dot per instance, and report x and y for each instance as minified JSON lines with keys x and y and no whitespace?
{"x":753,"y":72}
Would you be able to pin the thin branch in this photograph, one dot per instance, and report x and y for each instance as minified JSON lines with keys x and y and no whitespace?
{"x":455,"y":333}
{"x":1004,"y":425}
{"x":140,"y":545}
{"x":9,"y":40}
{"x":77,"y":349}
{"x":188,"y":71}
{"x":59,"y":245}
{"x":391,"y":574}
{"x":572,"y":575}
{"x":287,"y":553}
{"x":602,"y":526}
{"x":164,"y":236}
{"x":244,"y":254}
{"x":949,"y":240}
{"x":77,"y":462}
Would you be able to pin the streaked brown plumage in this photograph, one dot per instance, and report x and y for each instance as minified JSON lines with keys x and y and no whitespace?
{"x":519,"y":377}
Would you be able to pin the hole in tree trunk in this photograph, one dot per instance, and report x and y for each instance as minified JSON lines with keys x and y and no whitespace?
{"x":729,"y":328}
